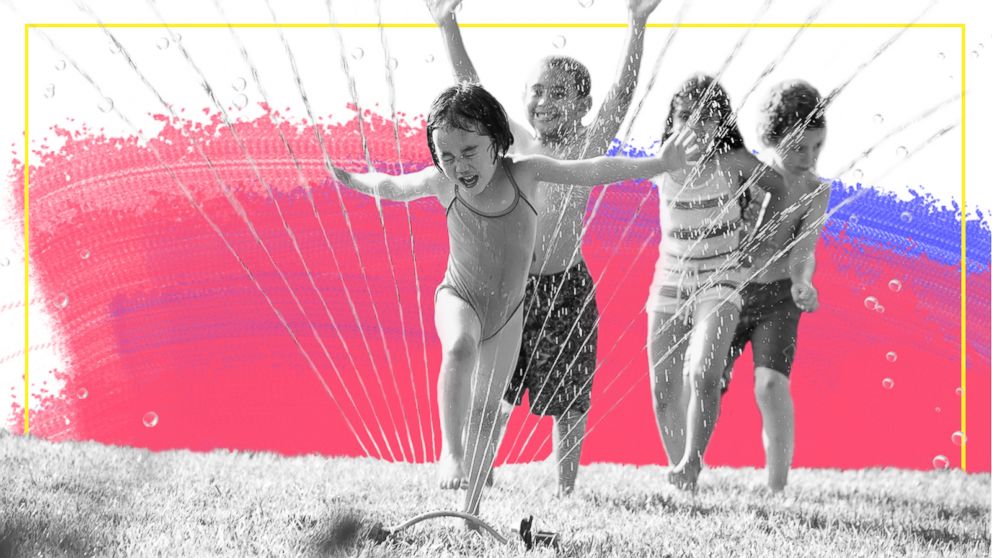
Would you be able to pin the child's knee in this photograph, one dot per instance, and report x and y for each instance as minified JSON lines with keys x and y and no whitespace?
{"x":770,"y":386}
{"x":463,"y":349}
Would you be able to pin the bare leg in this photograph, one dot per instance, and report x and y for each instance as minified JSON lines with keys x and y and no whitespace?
{"x":705,"y":361}
{"x":497,"y":357}
{"x":569,"y":432}
{"x":771,"y":389}
{"x":669,"y":394}
{"x":458,"y":328}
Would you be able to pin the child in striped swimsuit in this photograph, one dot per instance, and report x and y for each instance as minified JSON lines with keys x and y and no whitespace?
{"x":491,"y":231}
{"x":694,"y":302}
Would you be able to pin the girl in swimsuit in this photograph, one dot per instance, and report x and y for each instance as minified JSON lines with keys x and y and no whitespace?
{"x":491,"y":233}
{"x":694,"y":303}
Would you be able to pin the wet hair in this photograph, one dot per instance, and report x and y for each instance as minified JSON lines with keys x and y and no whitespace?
{"x":578,"y":71}
{"x":692,"y":91}
{"x":791,"y":106}
{"x":469,"y":107}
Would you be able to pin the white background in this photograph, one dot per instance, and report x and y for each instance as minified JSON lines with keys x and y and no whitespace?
{"x":919,"y":71}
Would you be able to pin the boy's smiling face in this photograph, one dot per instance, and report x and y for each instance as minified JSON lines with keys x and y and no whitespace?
{"x":554,"y":107}
{"x":465,"y":157}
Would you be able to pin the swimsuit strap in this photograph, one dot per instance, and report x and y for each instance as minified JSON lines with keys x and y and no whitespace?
{"x":517,"y":188}
{"x":516,"y":199}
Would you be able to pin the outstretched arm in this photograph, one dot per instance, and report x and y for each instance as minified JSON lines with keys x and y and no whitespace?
{"x":443,"y":12}
{"x":606,"y":170}
{"x":614,"y":108}
{"x":403,"y":188}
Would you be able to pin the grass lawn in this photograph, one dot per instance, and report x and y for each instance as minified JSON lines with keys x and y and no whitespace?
{"x":81,"y":499}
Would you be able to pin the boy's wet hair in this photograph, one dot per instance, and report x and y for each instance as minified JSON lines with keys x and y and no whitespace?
{"x":692,"y":92}
{"x":791,"y":106}
{"x":469,"y":107}
{"x":578,"y":71}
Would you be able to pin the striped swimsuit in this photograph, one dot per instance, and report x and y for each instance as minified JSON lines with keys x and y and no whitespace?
{"x":701,"y":234}
{"x":489,"y":257}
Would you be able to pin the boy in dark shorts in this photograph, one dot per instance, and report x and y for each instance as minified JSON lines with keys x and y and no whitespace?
{"x":558,"y":353}
{"x":792,"y":124}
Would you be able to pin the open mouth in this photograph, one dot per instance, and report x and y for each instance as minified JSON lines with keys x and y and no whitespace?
{"x":469,"y":181}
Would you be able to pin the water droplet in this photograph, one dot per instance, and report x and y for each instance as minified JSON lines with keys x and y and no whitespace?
{"x":891,"y":356}
{"x":357,"y":53}
{"x":880,"y":309}
{"x":974,"y":53}
{"x":429,"y":58}
{"x":858,"y":174}
{"x":906,"y":217}
{"x":150,"y":419}
{"x":871,"y":303}
{"x":936,"y":409}
{"x":586,"y":3}
{"x":84,"y":254}
{"x":941,"y":463}
{"x":558,"y":41}
{"x":941,"y":55}
{"x":114,"y":49}
{"x":67,"y":421}
{"x":853,"y":219}
{"x":902,"y":151}
{"x":49,"y":91}
{"x":981,"y":46}
{"x":62,"y":300}
{"x":393,"y":63}
{"x":82,"y":393}
{"x":878,"y":119}
{"x":178,"y":37}
{"x":888,"y":383}
{"x":239,"y":84}
{"x":241,"y":101}
{"x":106,"y":105}
{"x":895,"y":285}
{"x":60,"y":65}
{"x":959,"y":392}
{"x":162,"y":43}
{"x":4,"y":261}
{"x":959,"y":438}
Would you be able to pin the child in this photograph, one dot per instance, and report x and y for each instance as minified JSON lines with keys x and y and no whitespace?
{"x":558,"y":352}
{"x":792,"y":124}
{"x":491,"y":231}
{"x":694,"y":293}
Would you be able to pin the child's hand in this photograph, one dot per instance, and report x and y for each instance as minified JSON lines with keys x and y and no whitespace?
{"x":342,"y":176}
{"x":676,"y":152}
{"x":641,"y":9}
{"x":805,"y":296}
{"x":442,"y":9}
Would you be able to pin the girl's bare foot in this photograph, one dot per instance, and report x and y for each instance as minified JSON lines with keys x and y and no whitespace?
{"x":450,"y":473}
{"x":684,"y":475}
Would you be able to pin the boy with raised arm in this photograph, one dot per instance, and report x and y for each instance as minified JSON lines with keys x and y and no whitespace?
{"x":558,"y":351}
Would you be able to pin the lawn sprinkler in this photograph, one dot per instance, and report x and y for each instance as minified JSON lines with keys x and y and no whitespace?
{"x":377,"y":532}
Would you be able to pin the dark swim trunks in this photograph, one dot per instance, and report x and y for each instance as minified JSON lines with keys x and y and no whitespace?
{"x":770,"y":322}
{"x":558,"y":351}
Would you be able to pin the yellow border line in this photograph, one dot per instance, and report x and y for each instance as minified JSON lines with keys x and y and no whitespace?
{"x":962,"y":26}
{"x":494,"y":25}
{"x":27,"y":240}
{"x":964,"y":266}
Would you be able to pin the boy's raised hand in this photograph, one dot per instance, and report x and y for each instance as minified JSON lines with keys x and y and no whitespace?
{"x":442,"y":9}
{"x":641,"y":9}
{"x":677,"y":151}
